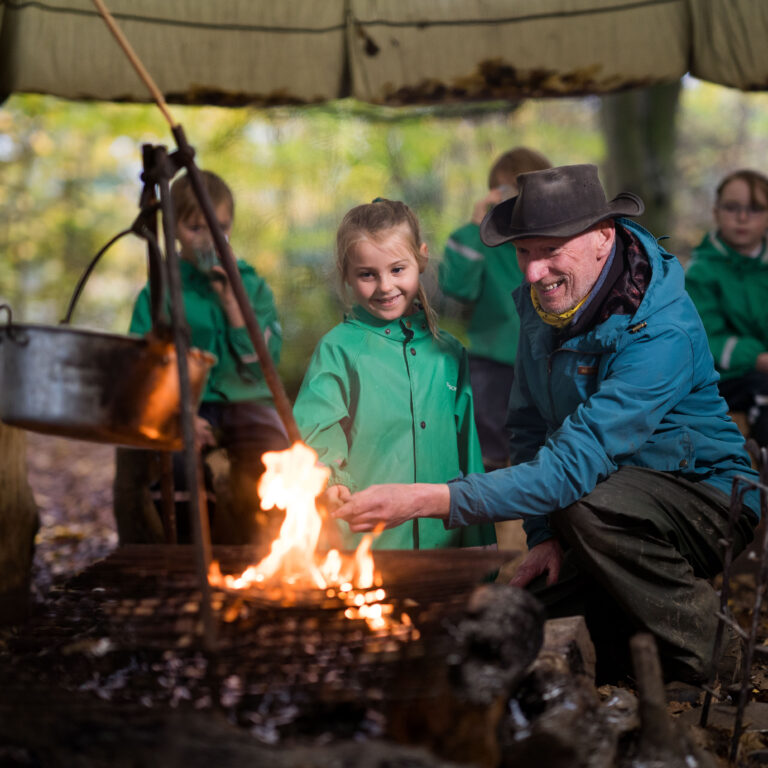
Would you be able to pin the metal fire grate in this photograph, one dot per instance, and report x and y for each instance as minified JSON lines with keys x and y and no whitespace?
{"x":127,"y":630}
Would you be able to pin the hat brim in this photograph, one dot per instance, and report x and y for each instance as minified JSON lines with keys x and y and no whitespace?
{"x":495,"y":228}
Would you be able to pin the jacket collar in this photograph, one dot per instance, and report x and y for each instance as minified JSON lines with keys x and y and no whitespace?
{"x":716,"y":245}
{"x":401,"y":329}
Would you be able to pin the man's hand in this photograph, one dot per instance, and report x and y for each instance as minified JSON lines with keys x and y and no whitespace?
{"x":546,"y":557}
{"x":394,"y":504}
{"x":494,"y":197}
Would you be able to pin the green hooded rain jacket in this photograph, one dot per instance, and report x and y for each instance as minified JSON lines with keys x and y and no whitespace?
{"x":387,"y":402}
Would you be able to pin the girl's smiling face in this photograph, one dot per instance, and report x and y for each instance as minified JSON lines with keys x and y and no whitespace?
{"x":383,"y":274}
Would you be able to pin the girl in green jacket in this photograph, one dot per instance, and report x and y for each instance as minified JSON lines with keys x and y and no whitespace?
{"x":727,"y":278}
{"x":386,"y":397}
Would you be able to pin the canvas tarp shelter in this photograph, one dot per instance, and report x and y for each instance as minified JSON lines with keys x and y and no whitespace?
{"x":379,"y":51}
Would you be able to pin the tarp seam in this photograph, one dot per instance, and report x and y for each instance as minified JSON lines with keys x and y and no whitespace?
{"x":18,"y":6}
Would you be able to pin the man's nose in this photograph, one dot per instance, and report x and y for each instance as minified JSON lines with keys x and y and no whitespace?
{"x":535,"y":270}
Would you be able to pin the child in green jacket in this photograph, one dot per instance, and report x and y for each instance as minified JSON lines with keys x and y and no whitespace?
{"x":483,"y":278}
{"x":727,"y":278}
{"x":236,"y":411}
{"x":386,"y":397}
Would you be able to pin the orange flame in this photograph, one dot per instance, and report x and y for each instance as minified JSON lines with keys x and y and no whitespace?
{"x":292,"y":480}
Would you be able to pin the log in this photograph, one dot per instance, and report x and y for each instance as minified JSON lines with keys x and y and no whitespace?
{"x":569,"y":638}
{"x":19,"y":522}
{"x":137,"y":518}
{"x":457,"y":710}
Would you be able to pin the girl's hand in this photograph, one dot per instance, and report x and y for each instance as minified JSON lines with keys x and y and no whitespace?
{"x":333,"y":498}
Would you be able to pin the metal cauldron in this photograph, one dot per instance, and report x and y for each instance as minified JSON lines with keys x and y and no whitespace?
{"x":95,"y":386}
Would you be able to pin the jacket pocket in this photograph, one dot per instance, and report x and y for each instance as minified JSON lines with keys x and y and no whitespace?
{"x":671,"y":451}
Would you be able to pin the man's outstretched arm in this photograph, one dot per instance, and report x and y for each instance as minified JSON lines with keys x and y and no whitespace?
{"x":395,"y":504}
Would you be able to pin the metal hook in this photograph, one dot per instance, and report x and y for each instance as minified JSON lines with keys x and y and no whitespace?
{"x":13,"y":331}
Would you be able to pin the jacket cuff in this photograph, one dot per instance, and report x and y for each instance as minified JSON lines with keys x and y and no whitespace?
{"x":537,"y":530}
{"x":463,"y":509}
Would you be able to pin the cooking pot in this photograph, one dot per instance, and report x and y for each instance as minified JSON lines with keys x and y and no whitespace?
{"x":98,"y":386}
{"x":95,"y":386}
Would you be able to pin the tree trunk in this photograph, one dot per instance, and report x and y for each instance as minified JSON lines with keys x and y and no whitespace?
{"x":18,"y":525}
{"x":640,"y":129}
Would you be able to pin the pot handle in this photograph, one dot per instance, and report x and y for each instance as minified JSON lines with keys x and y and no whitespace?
{"x":160,"y":324}
{"x":12,"y":331}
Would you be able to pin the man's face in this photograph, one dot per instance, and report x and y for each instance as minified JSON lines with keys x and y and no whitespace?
{"x":562,"y":270}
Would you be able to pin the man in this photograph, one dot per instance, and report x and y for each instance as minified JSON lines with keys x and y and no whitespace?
{"x":623,"y":453}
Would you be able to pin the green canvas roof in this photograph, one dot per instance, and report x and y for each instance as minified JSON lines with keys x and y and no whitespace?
{"x":378,"y":51}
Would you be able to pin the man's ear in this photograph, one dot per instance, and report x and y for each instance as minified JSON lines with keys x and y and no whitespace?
{"x":606,"y":236}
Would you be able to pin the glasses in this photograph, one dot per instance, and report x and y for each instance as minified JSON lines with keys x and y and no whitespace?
{"x":736,"y":209}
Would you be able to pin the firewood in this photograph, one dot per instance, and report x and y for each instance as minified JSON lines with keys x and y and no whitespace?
{"x":457,"y":710}
{"x":18,"y":525}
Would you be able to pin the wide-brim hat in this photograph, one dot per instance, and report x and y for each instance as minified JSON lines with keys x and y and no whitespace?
{"x":556,"y":202}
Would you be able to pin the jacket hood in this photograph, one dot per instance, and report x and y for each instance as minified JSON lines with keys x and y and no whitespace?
{"x":713,"y":249}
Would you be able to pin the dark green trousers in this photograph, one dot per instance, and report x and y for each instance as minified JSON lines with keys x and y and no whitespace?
{"x":640,"y":549}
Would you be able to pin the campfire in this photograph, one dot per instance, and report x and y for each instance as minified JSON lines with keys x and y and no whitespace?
{"x":296,"y":572}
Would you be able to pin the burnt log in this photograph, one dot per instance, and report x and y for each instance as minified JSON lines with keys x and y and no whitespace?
{"x":569,"y":638}
{"x":19,"y":522}
{"x":557,"y":719}
{"x":454,"y":708}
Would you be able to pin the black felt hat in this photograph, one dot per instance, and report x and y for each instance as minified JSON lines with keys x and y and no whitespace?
{"x":556,"y":202}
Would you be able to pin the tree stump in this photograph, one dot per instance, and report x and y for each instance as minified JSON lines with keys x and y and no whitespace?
{"x":19,"y":522}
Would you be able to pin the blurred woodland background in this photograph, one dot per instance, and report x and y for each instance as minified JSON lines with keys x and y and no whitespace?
{"x":70,"y":180}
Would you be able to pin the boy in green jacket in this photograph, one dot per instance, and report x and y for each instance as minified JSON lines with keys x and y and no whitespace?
{"x":727,"y":278}
{"x":484,"y":279}
{"x":237,"y":411}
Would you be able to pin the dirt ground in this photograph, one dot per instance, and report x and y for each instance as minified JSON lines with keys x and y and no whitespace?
{"x":72,"y":484}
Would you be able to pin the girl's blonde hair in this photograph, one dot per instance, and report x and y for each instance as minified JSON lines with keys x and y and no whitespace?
{"x":375,"y":221}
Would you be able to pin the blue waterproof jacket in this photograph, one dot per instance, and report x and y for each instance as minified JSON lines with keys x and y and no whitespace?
{"x":636,"y":390}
